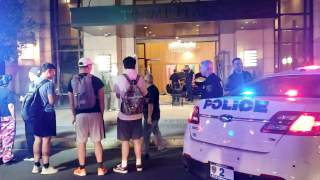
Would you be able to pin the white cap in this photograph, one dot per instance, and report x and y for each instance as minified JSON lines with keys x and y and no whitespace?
{"x":84,"y":62}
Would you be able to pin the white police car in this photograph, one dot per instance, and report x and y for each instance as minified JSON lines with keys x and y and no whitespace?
{"x":268,"y":129}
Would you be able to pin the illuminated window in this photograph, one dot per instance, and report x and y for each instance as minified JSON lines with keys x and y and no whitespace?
{"x":27,"y":52}
{"x":103,"y":63}
{"x":250,"y":58}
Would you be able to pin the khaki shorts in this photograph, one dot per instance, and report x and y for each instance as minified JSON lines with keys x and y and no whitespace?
{"x":89,"y":125}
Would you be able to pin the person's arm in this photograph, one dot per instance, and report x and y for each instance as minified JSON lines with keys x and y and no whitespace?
{"x":51,"y":93}
{"x":150,"y":111}
{"x":11,"y":110}
{"x":72,"y":106}
{"x":101,"y":100}
{"x":71,"y":102}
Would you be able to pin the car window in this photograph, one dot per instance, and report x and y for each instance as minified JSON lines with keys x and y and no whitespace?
{"x":293,"y":85}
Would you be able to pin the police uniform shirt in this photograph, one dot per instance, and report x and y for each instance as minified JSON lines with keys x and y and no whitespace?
{"x":212,"y":86}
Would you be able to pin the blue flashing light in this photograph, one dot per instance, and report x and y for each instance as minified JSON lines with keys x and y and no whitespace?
{"x":248,"y":92}
{"x":231,"y":133}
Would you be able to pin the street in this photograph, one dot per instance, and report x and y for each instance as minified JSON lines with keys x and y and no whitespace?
{"x":162,"y":165}
{"x":165,"y":165}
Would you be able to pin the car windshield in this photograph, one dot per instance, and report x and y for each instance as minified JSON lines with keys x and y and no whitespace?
{"x":289,"y":86}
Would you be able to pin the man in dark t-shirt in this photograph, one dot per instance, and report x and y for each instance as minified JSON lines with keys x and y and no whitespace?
{"x":151,"y":112}
{"x":238,"y":77}
{"x":88,"y":121}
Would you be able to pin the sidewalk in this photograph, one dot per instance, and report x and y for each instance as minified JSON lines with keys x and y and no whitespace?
{"x":172,"y":125}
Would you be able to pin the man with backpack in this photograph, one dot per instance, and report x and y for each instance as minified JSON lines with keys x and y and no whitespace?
{"x":44,"y":118}
{"x":86,"y":97}
{"x":130,"y":89}
{"x":34,"y":73}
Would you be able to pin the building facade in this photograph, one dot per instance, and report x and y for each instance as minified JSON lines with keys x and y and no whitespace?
{"x":167,"y":34}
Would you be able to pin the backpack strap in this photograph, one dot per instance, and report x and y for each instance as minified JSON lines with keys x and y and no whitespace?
{"x":131,"y":82}
{"x":40,"y":84}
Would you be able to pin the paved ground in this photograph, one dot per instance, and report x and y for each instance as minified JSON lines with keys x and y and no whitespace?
{"x":166,"y":165}
{"x":163,"y":165}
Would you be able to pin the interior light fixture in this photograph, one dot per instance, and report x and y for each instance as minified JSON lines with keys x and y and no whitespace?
{"x":180,"y":46}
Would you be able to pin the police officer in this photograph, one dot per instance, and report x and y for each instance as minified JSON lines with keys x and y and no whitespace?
{"x":212,"y":84}
{"x":238,"y":77}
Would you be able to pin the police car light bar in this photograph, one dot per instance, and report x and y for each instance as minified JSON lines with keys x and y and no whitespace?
{"x":311,"y":67}
{"x":291,"y":93}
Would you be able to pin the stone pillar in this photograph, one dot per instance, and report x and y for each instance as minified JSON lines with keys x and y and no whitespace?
{"x":316,"y":31}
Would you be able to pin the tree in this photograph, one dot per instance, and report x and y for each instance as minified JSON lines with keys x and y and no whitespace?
{"x":15,"y":30}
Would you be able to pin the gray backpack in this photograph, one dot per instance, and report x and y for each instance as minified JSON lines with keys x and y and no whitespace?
{"x":133,"y":100}
{"x":84,"y":96}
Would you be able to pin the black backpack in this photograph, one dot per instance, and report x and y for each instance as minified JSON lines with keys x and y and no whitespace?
{"x":32,"y":106}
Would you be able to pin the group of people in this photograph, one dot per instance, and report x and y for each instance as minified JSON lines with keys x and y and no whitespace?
{"x":139,"y":99}
{"x":206,"y":84}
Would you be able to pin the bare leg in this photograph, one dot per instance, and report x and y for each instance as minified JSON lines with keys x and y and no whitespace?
{"x":46,"y":146}
{"x":124,"y":151}
{"x":37,"y":148}
{"x":82,"y":153}
{"x":98,"y":150}
{"x":137,"y":148}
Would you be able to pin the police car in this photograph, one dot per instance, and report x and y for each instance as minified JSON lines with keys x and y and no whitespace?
{"x":267,"y":129}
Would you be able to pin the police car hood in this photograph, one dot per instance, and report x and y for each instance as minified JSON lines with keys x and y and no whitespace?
{"x":236,"y":122}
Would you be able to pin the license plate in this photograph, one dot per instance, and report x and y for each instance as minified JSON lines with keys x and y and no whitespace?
{"x":221,"y":172}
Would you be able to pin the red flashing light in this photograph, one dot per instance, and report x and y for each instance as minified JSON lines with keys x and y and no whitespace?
{"x":291,"y":93}
{"x":304,"y":123}
{"x":194,"y":116}
{"x":293,"y":123}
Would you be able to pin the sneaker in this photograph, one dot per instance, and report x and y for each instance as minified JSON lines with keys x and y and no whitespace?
{"x":102,"y":171}
{"x":12,"y":161}
{"x":29,"y":159}
{"x":80,"y":172}
{"x":120,"y":169}
{"x":49,"y":170}
{"x":139,"y":168}
{"x":36,"y":169}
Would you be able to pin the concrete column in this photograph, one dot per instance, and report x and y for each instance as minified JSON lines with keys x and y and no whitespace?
{"x":268,"y":51}
{"x":227,"y":50}
{"x":316,"y":31}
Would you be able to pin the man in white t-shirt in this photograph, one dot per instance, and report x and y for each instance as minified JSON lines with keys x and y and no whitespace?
{"x":129,"y":127}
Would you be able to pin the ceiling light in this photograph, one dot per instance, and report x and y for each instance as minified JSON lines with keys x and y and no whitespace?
{"x":150,"y":32}
{"x":146,"y":27}
{"x":179,"y":46}
{"x":107,"y":34}
{"x":198,"y":25}
{"x":246,"y":22}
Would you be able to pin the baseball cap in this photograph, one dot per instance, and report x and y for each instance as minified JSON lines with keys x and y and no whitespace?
{"x":83,"y":62}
